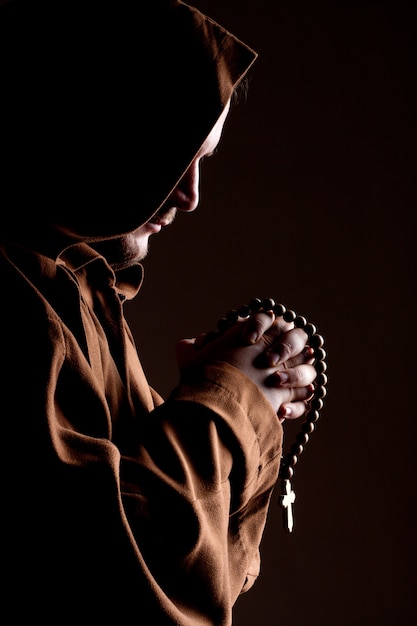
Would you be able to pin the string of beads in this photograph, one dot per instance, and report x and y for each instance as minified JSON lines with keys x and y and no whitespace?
{"x":315,"y":403}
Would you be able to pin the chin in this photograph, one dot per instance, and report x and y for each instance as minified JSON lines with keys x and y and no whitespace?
{"x":123,"y":252}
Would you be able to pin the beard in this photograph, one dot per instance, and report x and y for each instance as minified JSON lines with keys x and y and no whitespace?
{"x":121,"y":252}
{"x":127,"y":250}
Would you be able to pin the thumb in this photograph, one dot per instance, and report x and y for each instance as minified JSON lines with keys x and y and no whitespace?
{"x":185,"y":353}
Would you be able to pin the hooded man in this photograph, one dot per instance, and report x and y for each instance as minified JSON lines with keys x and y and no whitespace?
{"x":119,"y":504}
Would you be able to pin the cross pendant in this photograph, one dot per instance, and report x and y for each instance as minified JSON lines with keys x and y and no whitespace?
{"x":286,"y":500}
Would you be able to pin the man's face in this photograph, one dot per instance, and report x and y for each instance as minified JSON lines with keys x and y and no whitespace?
{"x":131,"y":248}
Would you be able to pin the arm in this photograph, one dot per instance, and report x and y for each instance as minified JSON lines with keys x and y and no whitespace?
{"x":208,"y":461}
{"x":213,"y":451}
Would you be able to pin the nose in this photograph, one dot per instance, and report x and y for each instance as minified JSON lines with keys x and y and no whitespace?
{"x":185,"y":196}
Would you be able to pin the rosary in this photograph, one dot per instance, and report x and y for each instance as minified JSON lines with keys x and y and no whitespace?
{"x":314,"y":404}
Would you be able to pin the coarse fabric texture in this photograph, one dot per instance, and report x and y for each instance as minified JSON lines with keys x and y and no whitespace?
{"x":118,"y":505}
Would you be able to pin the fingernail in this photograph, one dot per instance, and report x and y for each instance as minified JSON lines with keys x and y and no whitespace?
{"x":252,"y":337}
{"x":283,"y":377}
{"x":273,"y":358}
{"x":285,"y":411}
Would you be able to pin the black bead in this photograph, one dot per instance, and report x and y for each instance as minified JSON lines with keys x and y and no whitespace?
{"x":232,"y":316}
{"x":286,"y":472}
{"x":320,"y":392}
{"x":310,"y":329}
{"x":300,"y":321}
{"x":268,"y":304}
{"x":223,"y":324}
{"x":289,"y":316}
{"x":244,"y":311}
{"x":297,"y":448}
{"x":307,"y":428}
{"x":316,"y":403}
{"x":316,"y":341}
{"x":321,"y":380}
{"x":255,"y":304}
{"x":291,"y":460}
{"x":321,"y":366}
{"x":302,"y":438}
{"x":279,"y":310}
{"x":312,"y":416}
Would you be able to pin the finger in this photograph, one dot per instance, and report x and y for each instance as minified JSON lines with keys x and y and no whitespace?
{"x":202,"y":339}
{"x":289,"y":345}
{"x":295,"y":394}
{"x":294,"y":377}
{"x":256,"y":325}
{"x":274,"y":334}
{"x":306,"y":356}
{"x":185,"y":352}
{"x":292,"y":410}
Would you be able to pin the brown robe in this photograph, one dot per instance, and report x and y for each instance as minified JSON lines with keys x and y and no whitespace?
{"x":119,"y":505}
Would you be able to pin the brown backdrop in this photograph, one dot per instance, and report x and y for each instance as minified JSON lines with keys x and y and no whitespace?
{"x":311,"y":201}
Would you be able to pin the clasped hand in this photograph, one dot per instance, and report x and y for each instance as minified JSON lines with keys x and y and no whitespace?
{"x":269,"y":350}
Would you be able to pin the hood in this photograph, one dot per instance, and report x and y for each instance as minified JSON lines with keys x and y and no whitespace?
{"x":105,"y":106}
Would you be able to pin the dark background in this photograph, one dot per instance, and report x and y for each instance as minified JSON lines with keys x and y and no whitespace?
{"x":311,"y":200}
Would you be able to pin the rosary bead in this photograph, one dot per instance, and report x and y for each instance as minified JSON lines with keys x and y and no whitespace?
{"x":320,"y":354}
{"x":289,"y":316}
{"x":321,"y":366}
{"x":312,"y":415}
{"x":300,"y":321}
{"x":316,"y":341}
{"x":232,"y":316}
{"x":310,"y":329}
{"x":255,"y":304}
{"x":316,"y":403}
{"x":307,"y":428}
{"x":321,"y":380}
{"x":279,"y":310}
{"x":291,"y":460}
{"x":297,"y":448}
{"x":320,"y":392}
{"x":268,"y":304}
{"x":244,"y":311}
{"x":223,"y":324}
{"x":285,"y":472}
{"x":302,"y":438}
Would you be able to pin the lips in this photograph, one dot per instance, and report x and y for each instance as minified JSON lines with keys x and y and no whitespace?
{"x":154,"y":227}
{"x":164,"y":219}
{"x":160,"y":221}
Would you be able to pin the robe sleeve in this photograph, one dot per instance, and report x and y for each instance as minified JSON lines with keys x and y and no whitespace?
{"x":197,"y":491}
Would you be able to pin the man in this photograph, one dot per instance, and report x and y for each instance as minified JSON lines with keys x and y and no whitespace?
{"x":119,"y":504}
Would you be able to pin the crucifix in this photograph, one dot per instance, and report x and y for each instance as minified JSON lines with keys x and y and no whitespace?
{"x":286,"y":501}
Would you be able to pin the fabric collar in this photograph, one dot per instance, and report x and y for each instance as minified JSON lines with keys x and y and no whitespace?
{"x":127,"y":282}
